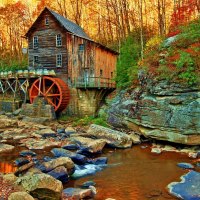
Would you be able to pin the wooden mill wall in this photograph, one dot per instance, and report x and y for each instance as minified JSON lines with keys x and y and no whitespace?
{"x":47,"y":49}
{"x":79,"y":60}
{"x":105,"y":63}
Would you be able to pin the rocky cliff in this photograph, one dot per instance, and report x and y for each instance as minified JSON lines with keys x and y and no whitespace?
{"x":159,"y":110}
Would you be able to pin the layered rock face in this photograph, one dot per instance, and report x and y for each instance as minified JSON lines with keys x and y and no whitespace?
{"x":160,"y":110}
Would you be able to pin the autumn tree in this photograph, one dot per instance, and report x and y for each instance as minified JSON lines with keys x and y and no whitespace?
{"x":183,"y":12}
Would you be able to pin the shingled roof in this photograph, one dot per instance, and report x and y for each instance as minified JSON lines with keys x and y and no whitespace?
{"x":67,"y":24}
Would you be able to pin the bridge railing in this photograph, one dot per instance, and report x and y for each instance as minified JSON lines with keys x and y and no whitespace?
{"x":94,"y":82}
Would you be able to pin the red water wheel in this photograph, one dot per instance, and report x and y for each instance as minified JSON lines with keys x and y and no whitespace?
{"x":55,"y":91}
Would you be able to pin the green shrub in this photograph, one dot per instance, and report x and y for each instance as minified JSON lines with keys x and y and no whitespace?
{"x":13,"y":64}
{"x":100,"y":121}
{"x":129,"y":55}
{"x":187,"y":68}
{"x":179,"y":61}
{"x":84,"y":121}
{"x":189,"y":34}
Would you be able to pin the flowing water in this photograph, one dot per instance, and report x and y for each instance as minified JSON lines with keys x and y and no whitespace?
{"x":132,"y":174}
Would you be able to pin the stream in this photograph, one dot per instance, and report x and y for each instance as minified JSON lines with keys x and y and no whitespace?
{"x":132,"y":174}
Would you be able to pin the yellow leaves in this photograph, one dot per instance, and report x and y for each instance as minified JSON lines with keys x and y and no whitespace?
{"x":154,"y":41}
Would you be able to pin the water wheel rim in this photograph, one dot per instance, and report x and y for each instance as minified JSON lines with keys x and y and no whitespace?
{"x":41,"y":89}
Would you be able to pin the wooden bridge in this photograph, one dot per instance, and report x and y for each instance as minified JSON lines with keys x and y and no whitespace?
{"x":94,"y":82}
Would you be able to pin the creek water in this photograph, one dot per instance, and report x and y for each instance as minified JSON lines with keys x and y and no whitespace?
{"x":132,"y":174}
{"x":137,"y":174}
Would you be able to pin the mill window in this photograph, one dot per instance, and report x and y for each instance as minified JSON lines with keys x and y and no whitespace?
{"x":81,"y":47}
{"x":35,"y":42}
{"x":35,"y":60}
{"x":58,"y":40}
{"x":111,"y":74}
{"x":59,"y":60}
{"x":47,"y":21}
{"x":101,"y":72}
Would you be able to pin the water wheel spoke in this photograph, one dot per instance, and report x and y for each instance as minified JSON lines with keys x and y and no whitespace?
{"x":51,"y":102}
{"x":43,"y":85}
{"x":49,"y":89}
{"x":39,"y":91}
{"x":52,"y":95}
{"x":33,"y":96}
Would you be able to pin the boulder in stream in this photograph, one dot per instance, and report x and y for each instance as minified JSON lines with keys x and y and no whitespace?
{"x":113,"y":138}
{"x":60,"y":173}
{"x":6,"y":123}
{"x":41,"y":186}
{"x":47,"y":133}
{"x":6,"y":148}
{"x":20,"y":196}
{"x":21,"y":161}
{"x":71,"y":146}
{"x":62,"y":161}
{"x":76,"y":158}
{"x":188,"y":188}
{"x":77,"y":193}
{"x":25,"y":153}
{"x":185,"y":165}
{"x":91,"y":145}
{"x":40,"y":144}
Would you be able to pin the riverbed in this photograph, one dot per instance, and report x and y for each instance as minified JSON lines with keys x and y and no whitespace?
{"x":132,"y":174}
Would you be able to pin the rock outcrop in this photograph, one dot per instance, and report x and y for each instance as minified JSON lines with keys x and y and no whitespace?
{"x":159,"y":110}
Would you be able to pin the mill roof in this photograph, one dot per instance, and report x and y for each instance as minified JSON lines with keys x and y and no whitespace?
{"x":65,"y":23}
{"x":68,"y":26}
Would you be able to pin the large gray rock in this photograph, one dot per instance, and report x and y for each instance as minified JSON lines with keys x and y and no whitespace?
{"x":14,"y":134}
{"x":20,"y":196}
{"x":41,"y":186}
{"x":32,"y":143}
{"x":113,"y":138}
{"x":94,"y":146}
{"x":163,"y":111}
{"x":62,"y":161}
{"x":188,"y":188}
{"x":77,"y":193}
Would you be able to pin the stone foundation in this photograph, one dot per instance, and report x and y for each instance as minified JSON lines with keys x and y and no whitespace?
{"x":39,"y":109}
{"x":9,"y":106}
{"x":85,"y":101}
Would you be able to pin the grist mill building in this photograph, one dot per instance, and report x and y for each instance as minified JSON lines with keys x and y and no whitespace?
{"x":87,"y":67}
